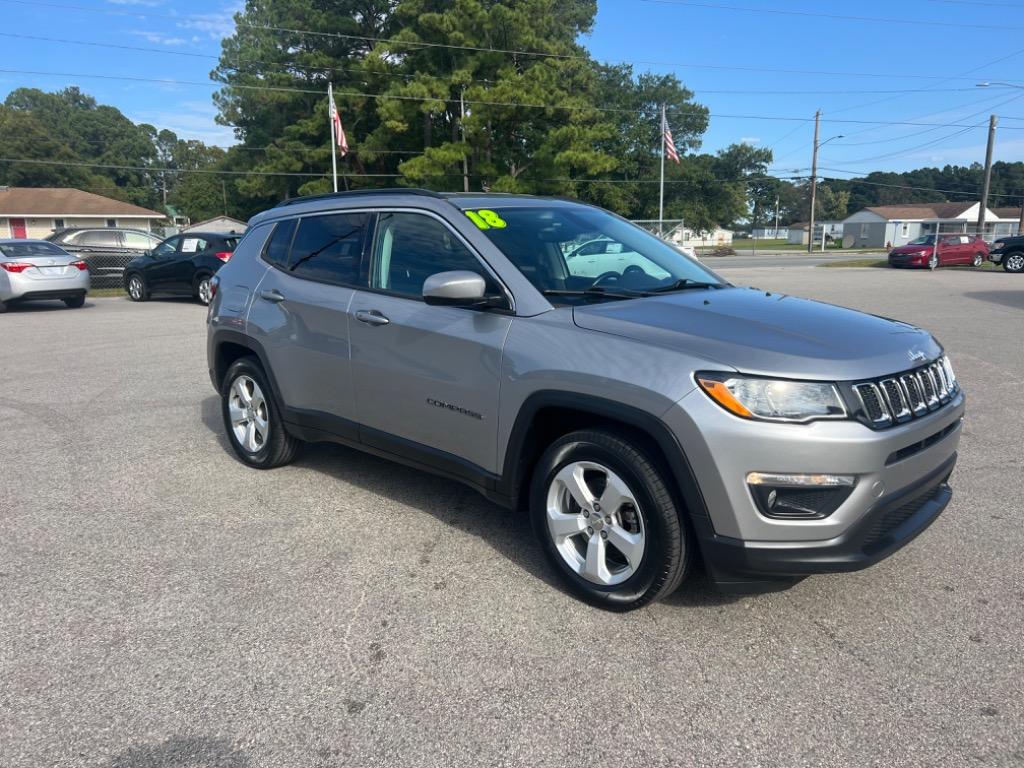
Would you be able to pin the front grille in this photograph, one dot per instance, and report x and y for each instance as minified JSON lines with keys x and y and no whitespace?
{"x":898,"y":399}
{"x":886,"y":523}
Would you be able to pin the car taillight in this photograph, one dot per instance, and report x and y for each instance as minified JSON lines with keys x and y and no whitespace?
{"x":81,"y":266}
{"x":223,"y":255}
{"x":13,"y":266}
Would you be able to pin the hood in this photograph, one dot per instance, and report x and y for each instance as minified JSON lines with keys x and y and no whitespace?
{"x":767,"y":333}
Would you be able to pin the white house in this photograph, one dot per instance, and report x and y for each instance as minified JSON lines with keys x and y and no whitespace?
{"x":884,"y":226}
{"x":799,"y":233}
{"x":687,"y":237}
{"x":36,"y":212}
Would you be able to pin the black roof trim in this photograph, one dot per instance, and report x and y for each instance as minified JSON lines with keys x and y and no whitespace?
{"x":359,"y":193}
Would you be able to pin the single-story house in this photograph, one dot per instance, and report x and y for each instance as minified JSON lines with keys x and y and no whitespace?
{"x":683,"y":236}
{"x":883,"y":226}
{"x":222,"y":224}
{"x":35,"y":212}
{"x":799,"y":233}
{"x":770,"y":233}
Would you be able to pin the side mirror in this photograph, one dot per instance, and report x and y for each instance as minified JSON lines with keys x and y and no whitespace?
{"x":460,"y":288}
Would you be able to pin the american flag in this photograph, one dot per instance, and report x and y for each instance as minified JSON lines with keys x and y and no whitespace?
{"x":670,"y":146}
{"x":339,"y":132}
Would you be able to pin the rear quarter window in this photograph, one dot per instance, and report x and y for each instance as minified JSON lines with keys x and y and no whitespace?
{"x":280,"y":243}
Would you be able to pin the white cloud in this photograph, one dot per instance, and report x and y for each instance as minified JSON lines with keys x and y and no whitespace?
{"x":190,"y":120}
{"x":146,"y":3}
{"x":158,"y":37}
{"x":215,"y":25}
{"x":750,"y":140}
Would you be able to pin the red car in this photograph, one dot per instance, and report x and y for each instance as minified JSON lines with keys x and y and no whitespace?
{"x":952,"y":250}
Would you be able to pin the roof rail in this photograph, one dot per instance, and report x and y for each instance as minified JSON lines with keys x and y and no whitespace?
{"x":358,"y":193}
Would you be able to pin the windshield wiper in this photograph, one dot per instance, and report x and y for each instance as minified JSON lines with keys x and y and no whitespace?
{"x":598,"y":292}
{"x":683,"y":284}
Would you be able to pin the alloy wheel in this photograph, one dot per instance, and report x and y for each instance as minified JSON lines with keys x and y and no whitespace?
{"x":247,"y":409}
{"x":595,"y":523}
{"x":135,"y":287}
{"x":933,"y":262}
{"x":1014,"y":262}
{"x":205,"y":294}
{"x":978,"y":258}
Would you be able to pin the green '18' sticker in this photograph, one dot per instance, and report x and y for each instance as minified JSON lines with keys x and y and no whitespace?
{"x":486,"y":219}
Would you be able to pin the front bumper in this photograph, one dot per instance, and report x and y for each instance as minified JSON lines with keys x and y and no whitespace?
{"x":892,"y":523}
{"x":891,"y":466}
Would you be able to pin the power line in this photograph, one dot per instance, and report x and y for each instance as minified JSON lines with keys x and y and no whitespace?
{"x":480,"y":102}
{"x":917,"y":22}
{"x":483,"y":49}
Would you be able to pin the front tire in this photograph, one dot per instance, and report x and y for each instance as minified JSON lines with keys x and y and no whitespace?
{"x":252,"y":418}
{"x":607,"y":521}
{"x":979,"y":259}
{"x":1014,"y":262}
{"x":137,"y":289}
{"x":933,"y":262}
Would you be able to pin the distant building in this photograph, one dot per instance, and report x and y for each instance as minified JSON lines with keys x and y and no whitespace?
{"x":218,"y":224}
{"x":799,"y":233}
{"x":882,"y":226}
{"x":35,"y":212}
{"x":682,"y":236}
{"x":770,"y":233}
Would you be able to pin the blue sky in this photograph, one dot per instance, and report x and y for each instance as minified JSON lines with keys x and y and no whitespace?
{"x":926,"y":55}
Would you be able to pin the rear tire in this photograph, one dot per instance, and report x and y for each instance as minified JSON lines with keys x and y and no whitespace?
{"x":76,"y":302}
{"x":202,"y":290}
{"x":633,"y":550}
{"x":137,"y":288}
{"x":252,"y":418}
{"x":1014,"y":262}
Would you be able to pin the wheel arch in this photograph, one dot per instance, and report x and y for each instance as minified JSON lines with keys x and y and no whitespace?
{"x":229,"y":346}
{"x":547,"y":415}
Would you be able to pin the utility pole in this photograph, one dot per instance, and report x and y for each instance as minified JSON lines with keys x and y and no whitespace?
{"x":776,"y":234}
{"x":224,"y":192}
{"x":814,"y":182}
{"x":462,"y":128}
{"x":992,"y":121}
{"x":1020,"y":224}
{"x":661,"y":189}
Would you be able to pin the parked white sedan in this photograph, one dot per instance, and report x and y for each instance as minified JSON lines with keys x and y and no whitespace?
{"x":33,"y":270}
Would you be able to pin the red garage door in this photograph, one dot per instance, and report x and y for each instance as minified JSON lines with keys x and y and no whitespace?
{"x":18,"y":229}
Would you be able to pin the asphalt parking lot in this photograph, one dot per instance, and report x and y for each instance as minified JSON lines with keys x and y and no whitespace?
{"x":163,"y":605}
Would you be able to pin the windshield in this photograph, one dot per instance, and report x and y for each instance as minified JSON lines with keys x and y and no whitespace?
{"x":569,"y":250}
{"x":27,"y":250}
{"x":924,"y":240}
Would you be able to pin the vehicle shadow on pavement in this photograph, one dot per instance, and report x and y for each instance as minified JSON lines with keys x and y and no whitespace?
{"x":181,"y":751}
{"x":509,"y":534}
{"x":1013,"y":299}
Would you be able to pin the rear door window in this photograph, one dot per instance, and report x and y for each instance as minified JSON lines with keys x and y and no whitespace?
{"x":328,"y":248}
{"x":280,"y":243}
{"x":99,"y":238}
{"x":139,"y":241}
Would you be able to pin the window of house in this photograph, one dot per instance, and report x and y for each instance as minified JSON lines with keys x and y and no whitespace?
{"x":58,"y":223}
{"x":411,"y":247}
{"x":904,"y":229}
{"x":111,"y":222}
{"x":328,"y":248}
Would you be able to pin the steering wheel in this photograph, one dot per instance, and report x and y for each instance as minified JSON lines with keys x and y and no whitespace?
{"x":606,"y":276}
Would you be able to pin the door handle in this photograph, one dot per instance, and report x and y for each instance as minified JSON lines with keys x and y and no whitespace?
{"x":371,"y":317}
{"x":273,"y":296}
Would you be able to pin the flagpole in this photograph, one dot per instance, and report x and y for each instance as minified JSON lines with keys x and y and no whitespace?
{"x":661,"y":193}
{"x":334,"y":143}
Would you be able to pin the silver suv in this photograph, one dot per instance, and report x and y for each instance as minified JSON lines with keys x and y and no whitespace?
{"x":643,"y":412}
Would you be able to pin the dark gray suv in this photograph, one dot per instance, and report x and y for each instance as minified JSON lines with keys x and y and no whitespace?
{"x":639,"y":406}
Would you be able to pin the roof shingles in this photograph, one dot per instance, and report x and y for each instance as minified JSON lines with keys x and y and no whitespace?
{"x":55,"y":201}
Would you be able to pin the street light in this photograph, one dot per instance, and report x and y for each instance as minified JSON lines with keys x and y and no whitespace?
{"x":814,"y":184}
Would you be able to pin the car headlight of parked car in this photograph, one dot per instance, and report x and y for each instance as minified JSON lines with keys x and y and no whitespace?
{"x":773,"y":399}
{"x":997,"y":246}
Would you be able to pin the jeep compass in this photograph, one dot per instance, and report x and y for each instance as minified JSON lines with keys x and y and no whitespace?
{"x":641,"y":408}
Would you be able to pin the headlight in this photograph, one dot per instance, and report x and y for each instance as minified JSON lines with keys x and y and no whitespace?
{"x":773,"y":399}
{"x":947,"y":367}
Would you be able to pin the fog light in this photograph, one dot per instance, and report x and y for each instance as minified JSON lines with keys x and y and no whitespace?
{"x":799,"y":497}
